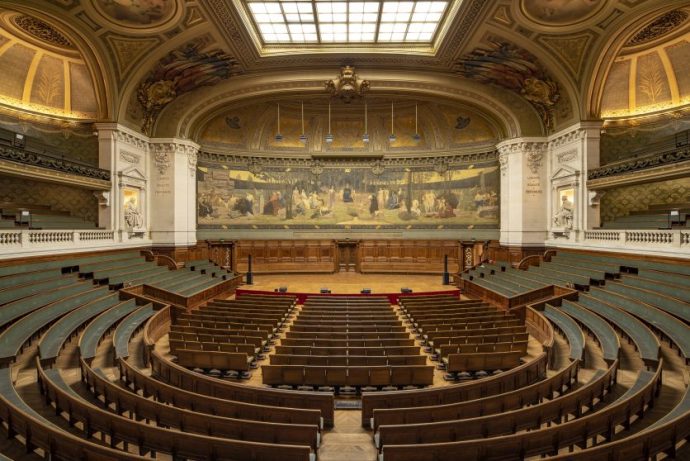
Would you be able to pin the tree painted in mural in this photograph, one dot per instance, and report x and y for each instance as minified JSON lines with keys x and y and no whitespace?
{"x":181,"y":71}
{"x":508,"y":66}
{"x":464,"y":196}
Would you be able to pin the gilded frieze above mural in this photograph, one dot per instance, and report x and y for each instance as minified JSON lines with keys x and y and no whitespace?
{"x":181,"y":71}
{"x":511,"y":67}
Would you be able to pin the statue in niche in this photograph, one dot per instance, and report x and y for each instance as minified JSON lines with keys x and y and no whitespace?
{"x":564,"y":216}
{"x":133,"y":217}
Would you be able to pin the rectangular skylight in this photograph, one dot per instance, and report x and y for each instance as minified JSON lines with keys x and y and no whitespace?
{"x":319,"y":21}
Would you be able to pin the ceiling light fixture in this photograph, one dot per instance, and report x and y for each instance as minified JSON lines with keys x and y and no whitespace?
{"x":392,"y":137}
{"x":303,"y":137}
{"x":329,"y":136}
{"x":279,"y":137}
{"x":416,"y":135}
{"x":365,"y":136}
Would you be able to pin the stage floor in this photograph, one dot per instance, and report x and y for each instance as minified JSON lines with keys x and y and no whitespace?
{"x":348,"y":283}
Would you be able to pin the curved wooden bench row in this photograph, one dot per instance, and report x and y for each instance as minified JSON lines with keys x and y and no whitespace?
{"x":270,"y":328}
{"x":349,"y":327}
{"x":152,"y":439}
{"x":571,"y":330}
{"x":482,"y":361}
{"x":603,"y":332}
{"x":240,"y":328}
{"x":582,"y":400}
{"x":459,"y":341}
{"x":59,"y":332}
{"x":433,"y":336}
{"x":347,"y":360}
{"x":63,"y":263}
{"x":184,"y":379}
{"x":378,"y":376}
{"x":664,"y":283}
{"x":246,"y":349}
{"x":668,"y":304}
{"x":347,"y":335}
{"x":263,"y":318}
{"x":126,"y":329}
{"x":547,"y":389}
{"x":347,"y":317}
{"x":14,"y":280}
{"x":357,"y":351}
{"x":672,"y":328}
{"x":526,"y":374}
{"x":139,"y":407}
{"x":159,"y":391}
{"x":351,"y":323}
{"x":467,"y":348}
{"x":13,"y":338}
{"x":214,"y":360}
{"x":38,"y":432}
{"x":18,"y":292}
{"x":17,"y":309}
{"x":477,"y":311}
{"x":347,"y":342}
{"x":94,"y":331}
{"x":544,"y":441}
{"x":644,"y":340}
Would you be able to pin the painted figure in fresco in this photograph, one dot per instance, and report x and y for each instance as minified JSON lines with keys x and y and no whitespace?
{"x":415,"y":210}
{"x":515,"y":69}
{"x":139,"y":12}
{"x":133,"y":217}
{"x":564,"y":216}
{"x":331,"y":197}
{"x":392,"y":203}
{"x":373,"y":204}
{"x":181,"y":71}
{"x":348,"y":194}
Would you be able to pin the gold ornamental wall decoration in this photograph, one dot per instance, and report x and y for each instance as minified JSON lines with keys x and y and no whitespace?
{"x":347,"y":86}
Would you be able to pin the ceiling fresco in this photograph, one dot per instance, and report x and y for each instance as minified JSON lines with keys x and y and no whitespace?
{"x":138,"y":60}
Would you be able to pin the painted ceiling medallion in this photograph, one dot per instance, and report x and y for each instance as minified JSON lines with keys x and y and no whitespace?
{"x":560,"y":12}
{"x":42,"y":31}
{"x":661,"y":26}
{"x":137,"y":13}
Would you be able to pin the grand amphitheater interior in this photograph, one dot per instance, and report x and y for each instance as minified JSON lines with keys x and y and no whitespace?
{"x":345,"y":230}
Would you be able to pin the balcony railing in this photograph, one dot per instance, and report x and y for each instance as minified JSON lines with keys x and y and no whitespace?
{"x":50,"y":162}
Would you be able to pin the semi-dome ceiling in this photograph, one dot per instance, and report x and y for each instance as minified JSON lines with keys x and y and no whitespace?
{"x":43,"y":71}
{"x":440,"y":126}
{"x":652,"y":71}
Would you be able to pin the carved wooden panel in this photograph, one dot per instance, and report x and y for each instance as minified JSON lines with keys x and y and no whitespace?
{"x":285,"y":255}
{"x":409,"y":256}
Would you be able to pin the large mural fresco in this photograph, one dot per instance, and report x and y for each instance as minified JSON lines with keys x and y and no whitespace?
{"x":275,"y":196}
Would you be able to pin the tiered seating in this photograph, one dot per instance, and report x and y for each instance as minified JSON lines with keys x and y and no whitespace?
{"x":464,"y":335}
{"x":496,"y":281}
{"x":347,"y":332}
{"x":656,"y":217}
{"x":197,"y":276}
{"x":227,"y":335}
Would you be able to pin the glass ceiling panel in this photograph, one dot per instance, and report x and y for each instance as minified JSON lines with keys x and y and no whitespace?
{"x":320,"y":21}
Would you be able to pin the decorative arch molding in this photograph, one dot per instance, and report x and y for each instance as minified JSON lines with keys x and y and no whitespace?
{"x":606,"y":51}
{"x":95,"y":57}
{"x":187,"y":113}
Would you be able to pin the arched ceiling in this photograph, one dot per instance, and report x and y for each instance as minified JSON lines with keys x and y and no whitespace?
{"x":651,"y":72}
{"x":440,"y":126}
{"x":42,"y":70}
{"x":530,"y":67}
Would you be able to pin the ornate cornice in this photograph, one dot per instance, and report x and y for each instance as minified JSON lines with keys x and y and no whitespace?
{"x":135,"y":140}
{"x":33,"y":172}
{"x":640,"y":164}
{"x":47,"y":162}
{"x":514,"y":146}
{"x":254,"y":162}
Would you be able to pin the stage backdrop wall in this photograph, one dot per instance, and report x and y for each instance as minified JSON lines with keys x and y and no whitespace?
{"x":452,"y":193}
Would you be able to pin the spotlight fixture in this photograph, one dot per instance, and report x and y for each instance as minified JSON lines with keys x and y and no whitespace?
{"x":329,"y":136}
{"x":416,"y":135}
{"x":19,"y":140}
{"x":279,"y":137}
{"x":392,"y":137}
{"x":365,"y":136}
{"x":303,"y":137}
